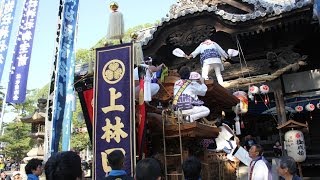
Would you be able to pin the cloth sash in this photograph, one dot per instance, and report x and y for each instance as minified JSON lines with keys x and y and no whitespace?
{"x":209,"y":53}
{"x":185,"y":101}
{"x":179,"y":93}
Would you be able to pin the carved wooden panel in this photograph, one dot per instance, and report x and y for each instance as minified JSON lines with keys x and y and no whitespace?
{"x":190,"y":36}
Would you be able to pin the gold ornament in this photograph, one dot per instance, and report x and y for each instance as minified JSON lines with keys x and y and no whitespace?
{"x":134,"y":35}
{"x":114,"y":6}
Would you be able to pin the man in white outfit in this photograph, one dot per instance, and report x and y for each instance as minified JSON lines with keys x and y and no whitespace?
{"x":210,"y":57}
{"x":186,"y":92}
{"x":257,"y":164}
{"x":150,"y":87}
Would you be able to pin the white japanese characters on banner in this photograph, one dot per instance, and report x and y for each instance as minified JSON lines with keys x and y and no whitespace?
{"x":63,"y":97}
{"x":7,"y":14}
{"x":22,"y":54}
{"x":295,"y":146}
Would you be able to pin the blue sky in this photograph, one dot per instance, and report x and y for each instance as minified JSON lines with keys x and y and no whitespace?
{"x":93,"y":21}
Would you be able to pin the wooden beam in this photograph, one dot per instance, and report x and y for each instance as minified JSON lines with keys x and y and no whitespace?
{"x":238,"y":5}
{"x":243,"y":82}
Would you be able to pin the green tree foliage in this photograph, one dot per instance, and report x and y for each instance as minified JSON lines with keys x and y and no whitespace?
{"x":17,"y":140}
{"x":30,"y":104}
{"x":79,"y":140}
{"x":103,"y":41}
{"x":84,"y":56}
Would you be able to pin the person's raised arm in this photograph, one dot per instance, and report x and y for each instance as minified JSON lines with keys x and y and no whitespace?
{"x":155,"y":69}
{"x":195,"y":52}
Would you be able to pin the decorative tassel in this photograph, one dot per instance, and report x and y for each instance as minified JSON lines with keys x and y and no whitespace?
{"x":74,"y":102}
{"x":242,"y":125}
{"x":265,"y":100}
{"x":255,"y":100}
{"x":237,"y":124}
{"x":238,"y":130}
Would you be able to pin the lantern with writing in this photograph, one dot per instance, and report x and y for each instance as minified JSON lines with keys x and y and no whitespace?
{"x":298,"y":108}
{"x":310,"y":107}
{"x":240,"y":108}
{"x":264,"y":89}
{"x":295,"y":146}
{"x":253,"y":90}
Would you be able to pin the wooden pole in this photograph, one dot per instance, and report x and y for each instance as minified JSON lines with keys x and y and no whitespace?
{"x":280,"y":107}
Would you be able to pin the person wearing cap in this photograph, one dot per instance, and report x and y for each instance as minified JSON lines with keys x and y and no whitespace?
{"x":151,"y":86}
{"x":210,"y":57}
{"x":186,"y":92}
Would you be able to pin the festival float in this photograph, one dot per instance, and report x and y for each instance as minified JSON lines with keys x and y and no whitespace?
{"x":251,"y":80}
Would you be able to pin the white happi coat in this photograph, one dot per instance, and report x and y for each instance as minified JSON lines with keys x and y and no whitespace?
{"x":207,"y":58}
{"x":150,"y":89}
{"x":194,"y":89}
{"x":258,"y":167}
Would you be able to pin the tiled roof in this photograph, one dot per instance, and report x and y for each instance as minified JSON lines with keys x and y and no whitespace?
{"x":261,"y":9}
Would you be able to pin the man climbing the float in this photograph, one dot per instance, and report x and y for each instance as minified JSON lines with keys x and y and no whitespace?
{"x":186,"y":92}
{"x":211,"y":56}
{"x":151,"y":86}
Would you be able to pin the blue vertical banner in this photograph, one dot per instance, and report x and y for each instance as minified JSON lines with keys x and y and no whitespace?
{"x":48,"y":128}
{"x":113,"y":108}
{"x":64,"y":77}
{"x":68,"y":109}
{"x":7,"y":14}
{"x":17,"y":86}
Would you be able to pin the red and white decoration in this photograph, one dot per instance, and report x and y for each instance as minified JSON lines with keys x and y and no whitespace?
{"x":299,"y":108}
{"x":240,"y":108}
{"x":310,"y":107}
{"x":253,"y":90}
{"x":244,"y":103}
{"x":264,"y":89}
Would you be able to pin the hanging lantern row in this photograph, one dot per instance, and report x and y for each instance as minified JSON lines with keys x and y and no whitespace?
{"x":263,"y":89}
{"x":309,"y":107}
